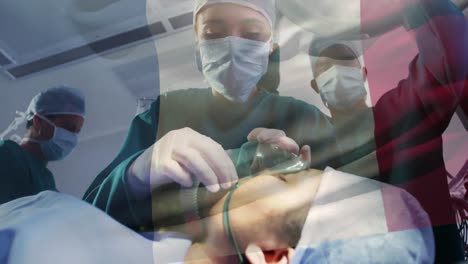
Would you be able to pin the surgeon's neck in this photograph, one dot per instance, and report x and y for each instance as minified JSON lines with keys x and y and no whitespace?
{"x":34,"y":149}
{"x":204,"y":253}
{"x":220,"y":96}
{"x":209,"y":241}
{"x":360,"y":107}
{"x":195,"y":230}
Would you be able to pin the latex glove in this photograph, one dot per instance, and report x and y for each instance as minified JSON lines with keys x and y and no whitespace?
{"x":274,"y":136}
{"x":180,"y":156}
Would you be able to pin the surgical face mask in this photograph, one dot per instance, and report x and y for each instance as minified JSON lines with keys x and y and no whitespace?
{"x":60,"y":145}
{"x":233,"y":66}
{"x":341,"y":87}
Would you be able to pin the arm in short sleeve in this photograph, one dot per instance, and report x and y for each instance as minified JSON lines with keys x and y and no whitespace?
{"x":437,"y":75}
{"x":115,"y":198}
{"x":141,"y":135}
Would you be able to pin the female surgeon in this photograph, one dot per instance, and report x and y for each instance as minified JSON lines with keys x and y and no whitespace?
{"x":184,"y":135}
{"x":54,"y":119}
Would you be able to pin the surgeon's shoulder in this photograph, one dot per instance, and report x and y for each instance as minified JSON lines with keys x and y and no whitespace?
{"x":8,"y":147}
{"x":181,"y":99}
{"x":185,"y":94}
{"x":292,"y":102}
{"x":177,"y":99}
{"x":9,"y":152}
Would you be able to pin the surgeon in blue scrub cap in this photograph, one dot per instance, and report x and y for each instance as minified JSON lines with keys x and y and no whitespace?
{"x":53,"y":120}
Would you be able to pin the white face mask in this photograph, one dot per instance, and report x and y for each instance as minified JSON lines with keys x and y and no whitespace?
{"x":60,"y":145}
{"x":341,"y":87}
{"x":233,"y":66}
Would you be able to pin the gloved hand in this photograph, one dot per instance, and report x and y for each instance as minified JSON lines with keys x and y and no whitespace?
{"x":274,"y":136}
{"x":180,"y":156}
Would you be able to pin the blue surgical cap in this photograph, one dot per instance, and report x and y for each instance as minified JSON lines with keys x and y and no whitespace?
{"x":265,"y":7}
{"x":319,"y":45}
{"x":60,"y":100}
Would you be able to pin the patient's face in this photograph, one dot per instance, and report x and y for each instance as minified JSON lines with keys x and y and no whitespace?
{"x":257,"y":207}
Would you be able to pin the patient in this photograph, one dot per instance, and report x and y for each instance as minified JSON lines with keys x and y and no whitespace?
{"x":304,"y":217}
{"x":266,"y":212}
{"x":278,"y":218}
{"x":284,"y":214}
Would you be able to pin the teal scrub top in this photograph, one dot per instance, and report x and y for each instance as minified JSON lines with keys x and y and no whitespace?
{"x":225,"y":122}
{"x":21,"y":174}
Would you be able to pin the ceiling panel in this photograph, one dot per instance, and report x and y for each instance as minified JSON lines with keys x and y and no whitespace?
{"x":39,"y":35}
{"x":172,"y":3}
{"x":34,"y":28}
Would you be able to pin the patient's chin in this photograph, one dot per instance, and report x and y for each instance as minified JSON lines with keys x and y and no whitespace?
{"x":201,"y":253}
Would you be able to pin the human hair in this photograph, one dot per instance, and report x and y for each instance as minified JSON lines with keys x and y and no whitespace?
{"x":29,"y":123}
{"x":337,"y":51}
{"x":288,"y":225}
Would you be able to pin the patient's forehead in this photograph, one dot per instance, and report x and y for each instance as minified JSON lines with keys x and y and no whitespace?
{"x":265,"y":190}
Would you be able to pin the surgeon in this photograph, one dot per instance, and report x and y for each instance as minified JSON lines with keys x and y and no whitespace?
{"x":185,"y":134}
{"x":53,"y":119}
{"x":399,"y":140}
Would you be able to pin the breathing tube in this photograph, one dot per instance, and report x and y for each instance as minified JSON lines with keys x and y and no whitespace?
{"x":228,"y":229}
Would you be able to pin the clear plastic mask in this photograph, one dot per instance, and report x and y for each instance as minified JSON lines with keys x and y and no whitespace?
{"x":253,"y":158}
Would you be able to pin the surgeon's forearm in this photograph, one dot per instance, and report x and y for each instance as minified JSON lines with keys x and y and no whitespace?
{"x":440,"y":31}
{"x":462,"y":4}
{"x":172,"y":203}
{"x":136,"y":176}
{"x":393,"y":18}
{"x":177,"y":209}
{"x":382,"y":25}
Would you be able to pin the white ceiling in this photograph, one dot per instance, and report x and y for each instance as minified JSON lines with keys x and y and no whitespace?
{"x":32,"y":30}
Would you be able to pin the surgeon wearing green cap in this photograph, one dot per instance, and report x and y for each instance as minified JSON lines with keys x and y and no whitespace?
{"x":53,"y":120}
{"x":184,"y":135}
